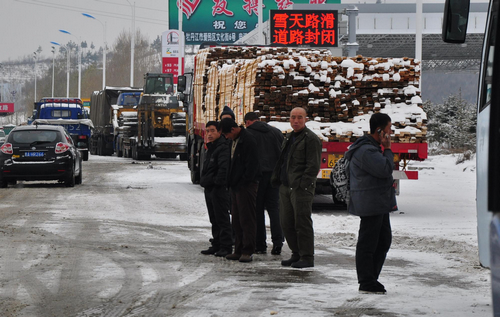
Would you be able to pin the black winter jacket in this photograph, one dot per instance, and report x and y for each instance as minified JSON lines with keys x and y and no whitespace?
{"x":244,"y":167}
{"x":303,"y":161}
{"x":216,"y":163}
{"x":269,"y":140}
{"x":371,"y":182}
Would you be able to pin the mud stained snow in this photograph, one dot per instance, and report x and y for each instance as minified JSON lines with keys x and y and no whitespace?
{"x":120,"y":245}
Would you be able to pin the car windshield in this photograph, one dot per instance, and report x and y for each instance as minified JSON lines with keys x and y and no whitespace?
{"x":36,"y":136}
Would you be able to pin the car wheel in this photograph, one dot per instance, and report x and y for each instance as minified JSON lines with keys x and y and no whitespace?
{"x":70,"y":180}
{"x":3,"y":183}
{"x":78,"y":178}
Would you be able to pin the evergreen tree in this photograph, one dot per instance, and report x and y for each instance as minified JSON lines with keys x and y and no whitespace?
{"x":452,"y":125}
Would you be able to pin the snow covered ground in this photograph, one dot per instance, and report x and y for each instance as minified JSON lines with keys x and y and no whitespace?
{"x":431,"y":269}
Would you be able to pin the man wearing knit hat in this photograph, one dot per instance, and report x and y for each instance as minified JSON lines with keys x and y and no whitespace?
{"x":227,"y":113}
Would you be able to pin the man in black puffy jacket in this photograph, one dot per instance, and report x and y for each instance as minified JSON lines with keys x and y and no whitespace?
{"x":213,"y":179}
{"x":269,"y":140}
{"x":372,"y":198}
{"x":243,"y":182}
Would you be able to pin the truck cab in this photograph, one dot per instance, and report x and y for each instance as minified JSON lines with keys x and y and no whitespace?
{"x":69,"y":113}
{"x":161,"y":120}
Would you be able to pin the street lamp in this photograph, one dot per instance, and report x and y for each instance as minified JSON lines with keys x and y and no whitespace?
{"x":34,"y":57}
{"x":67,"y":66}
{"x":132,"y":46}
{"x":105,"y":49}
{"x":79,"y":52}
{"x":53,"y":60}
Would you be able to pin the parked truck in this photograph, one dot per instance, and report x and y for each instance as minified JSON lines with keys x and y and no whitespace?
{"x":69,"y":113}
{"x":125,"y":122}
{"x":102,"y":104}
{"x":138,"y":123}
{"x":338,"y":93}
{"x":161,"y":120}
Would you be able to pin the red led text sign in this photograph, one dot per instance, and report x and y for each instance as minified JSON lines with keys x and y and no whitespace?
{"x":299,"y":27}
{"x":6,"y":107}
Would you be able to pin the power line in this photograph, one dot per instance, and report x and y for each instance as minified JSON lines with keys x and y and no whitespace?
{"x":100,"y":13}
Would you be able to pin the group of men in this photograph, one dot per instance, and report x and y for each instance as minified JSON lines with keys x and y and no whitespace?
{"x":252,"y":168}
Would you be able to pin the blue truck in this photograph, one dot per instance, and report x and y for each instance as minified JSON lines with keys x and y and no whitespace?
{"x":69,"y":113}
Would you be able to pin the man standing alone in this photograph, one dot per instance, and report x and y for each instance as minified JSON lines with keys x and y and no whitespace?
{"x":269,"y":140}
{"x":372,"y":198}
{"x":296,"y":172}
{"x":243,"y":182}
{"x":213,"y":179}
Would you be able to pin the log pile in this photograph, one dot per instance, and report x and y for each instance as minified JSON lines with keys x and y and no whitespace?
{"x":333,"y":90}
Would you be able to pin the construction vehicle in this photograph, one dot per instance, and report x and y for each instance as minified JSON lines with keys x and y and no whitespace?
{"x":161,"y":121}
{"x":338,"y":93}
{"x":69,"y":113}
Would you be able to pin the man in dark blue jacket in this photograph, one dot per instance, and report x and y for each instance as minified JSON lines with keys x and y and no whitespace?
{"x":243,"y":181}
{"x":372,"y":198}
{"x":269,"y":140}
{"x":213,"y":179}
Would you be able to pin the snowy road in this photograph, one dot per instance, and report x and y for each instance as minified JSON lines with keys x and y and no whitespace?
{"x":126,"y":243}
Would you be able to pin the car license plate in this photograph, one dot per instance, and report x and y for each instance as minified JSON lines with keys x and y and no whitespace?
{"x":34,"y":154}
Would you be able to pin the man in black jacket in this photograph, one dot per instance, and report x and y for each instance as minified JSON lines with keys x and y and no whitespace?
{"x":296,"y":172}
{"x":213,"y":179}
{"x":243,"y":182}
{"x":269,"y":140}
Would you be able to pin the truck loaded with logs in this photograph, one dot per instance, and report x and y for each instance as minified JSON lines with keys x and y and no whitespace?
{"x":338,"y":93}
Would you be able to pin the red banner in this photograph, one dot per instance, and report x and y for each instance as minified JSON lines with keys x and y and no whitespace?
{"x":6,"y":107}
{"x":171,"y":66}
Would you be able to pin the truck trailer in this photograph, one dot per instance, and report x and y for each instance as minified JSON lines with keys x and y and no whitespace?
{"x":338,"y":93}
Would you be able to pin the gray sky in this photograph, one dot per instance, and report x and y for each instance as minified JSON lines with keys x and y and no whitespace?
{"x":27,"y":24}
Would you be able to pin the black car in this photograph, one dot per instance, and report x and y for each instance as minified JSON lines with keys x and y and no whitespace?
{"x":40,"y":152}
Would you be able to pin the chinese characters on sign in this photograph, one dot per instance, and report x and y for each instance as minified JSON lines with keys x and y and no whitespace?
{"x":7,"y":107}
{"x":312,"y":27}
{"x":172,"y":48}
{"x":226,"y":21}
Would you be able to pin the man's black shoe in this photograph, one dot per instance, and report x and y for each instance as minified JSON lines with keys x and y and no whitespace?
{"x":294,"y":258}
{"x":276,"y":250}
{"x":222,"y":252}
{"x":302,"y":264}
{"x":209,"y":251}
{"x":374,"y":288}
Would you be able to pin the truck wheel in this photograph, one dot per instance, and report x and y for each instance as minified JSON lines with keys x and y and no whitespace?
{"x":143,"y":156}
{"x":183,"y":157}
{"x":85,"y":155}
{"x":195,"y":174}
{"x":134,"y":153}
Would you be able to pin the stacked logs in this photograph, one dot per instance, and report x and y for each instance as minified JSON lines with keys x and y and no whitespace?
{"x":272,"y":81}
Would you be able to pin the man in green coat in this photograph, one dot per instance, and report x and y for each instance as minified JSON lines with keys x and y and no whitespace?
{"x":295,"y":174}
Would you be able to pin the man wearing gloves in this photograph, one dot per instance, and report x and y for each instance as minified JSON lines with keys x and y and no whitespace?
{"x":372,"y":198}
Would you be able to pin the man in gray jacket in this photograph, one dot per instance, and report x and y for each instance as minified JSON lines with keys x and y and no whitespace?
{"x":372,"y":198}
